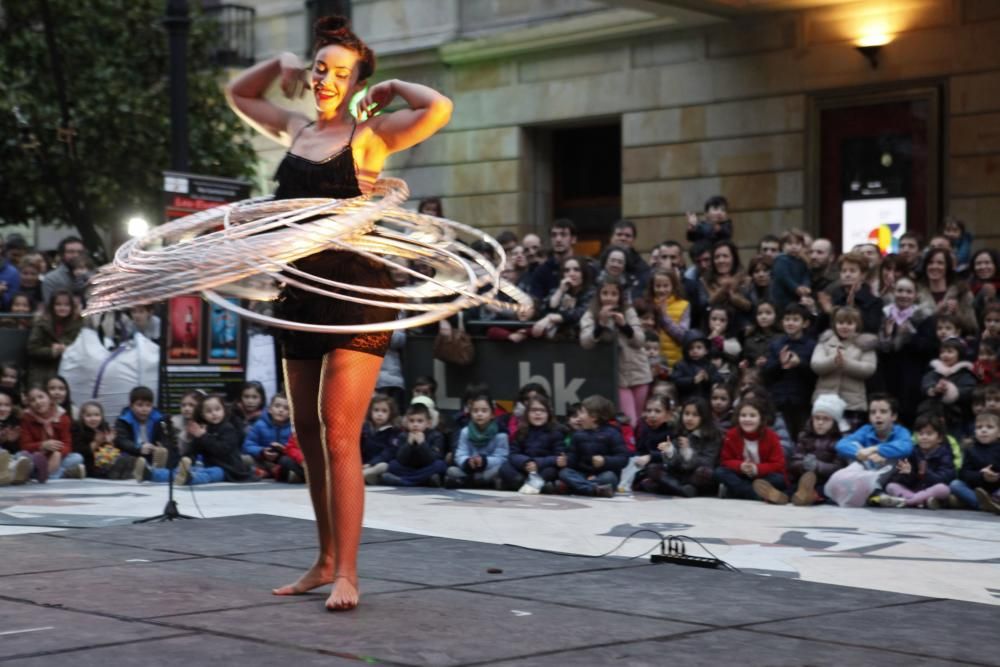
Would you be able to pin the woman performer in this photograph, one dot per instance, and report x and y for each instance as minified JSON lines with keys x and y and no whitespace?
{"x":330,"y":378}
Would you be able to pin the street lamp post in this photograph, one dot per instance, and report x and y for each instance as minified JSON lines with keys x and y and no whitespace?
{"x":177,"y":22}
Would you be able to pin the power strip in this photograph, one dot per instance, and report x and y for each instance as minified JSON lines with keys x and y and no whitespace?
{"x":692,"y":561}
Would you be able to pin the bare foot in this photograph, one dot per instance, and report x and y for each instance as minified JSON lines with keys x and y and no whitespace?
{"x":344,"y":596}
{"x":318,"y":575}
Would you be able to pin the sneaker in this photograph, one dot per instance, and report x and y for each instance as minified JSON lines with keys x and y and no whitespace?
{"x":723,"y":491}
{"x":435,"y":481}
{"x":183,"y":474}
{"x":986,"y":502}
{"x":806,"y":491}
{"x":767,"y":492}
{"x":560,"y":487}
{"x":140,"y":470}
{"x":81,"y":471}
{"x":933,"y":504}
{"x":293,"y":478}
{"x":548,"y":488}
{"x":160,"y":455}
{"x":954,"y":503}
{"x":688,"y":491}
{"x":604,"y":491}
{"x":885,"y":500}
{"x":22,"y":471}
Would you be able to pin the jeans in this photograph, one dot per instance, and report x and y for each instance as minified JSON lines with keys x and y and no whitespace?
{"x":198,"y":475}
{"x":964,"y":493}
{"x":477,"y":478}
{"x":739,"y":486}
{"x":69,"y":461}
{"x":579,"y":484}
{"x":415,"y":476}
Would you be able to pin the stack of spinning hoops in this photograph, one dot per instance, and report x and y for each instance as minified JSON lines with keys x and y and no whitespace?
{"x":245,"y":249}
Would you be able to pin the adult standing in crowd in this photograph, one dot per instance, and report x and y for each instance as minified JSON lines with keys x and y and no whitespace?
{"x":548,"y":274}
{"x":70,"y":249}
{"x":822,"y":265}
{"x":623,"y":235}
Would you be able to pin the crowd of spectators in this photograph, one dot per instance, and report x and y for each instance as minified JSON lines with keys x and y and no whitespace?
{"x":784,"y":374}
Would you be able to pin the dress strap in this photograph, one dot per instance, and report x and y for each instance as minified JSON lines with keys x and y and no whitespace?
{"x":354,"y":126}
{"x":295,"y":138}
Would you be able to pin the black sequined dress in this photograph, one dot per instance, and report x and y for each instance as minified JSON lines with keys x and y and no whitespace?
{"x":334,"y":177}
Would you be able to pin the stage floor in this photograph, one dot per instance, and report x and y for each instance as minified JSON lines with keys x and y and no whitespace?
{"x":197,"y":592}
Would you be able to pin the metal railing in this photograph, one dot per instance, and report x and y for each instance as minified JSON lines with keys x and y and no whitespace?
{"x":235,"y":45}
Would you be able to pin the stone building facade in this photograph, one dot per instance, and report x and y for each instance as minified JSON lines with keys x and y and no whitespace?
{"x":713,"y":96}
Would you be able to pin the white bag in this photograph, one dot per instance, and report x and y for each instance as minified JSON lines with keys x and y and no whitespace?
{"x":851,"y":486}
{"x":95,"y":373}
{"x":533,"y":486}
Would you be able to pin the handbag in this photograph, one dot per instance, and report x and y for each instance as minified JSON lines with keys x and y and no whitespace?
{"x":851,"y":486}
{"x":455,"y":347}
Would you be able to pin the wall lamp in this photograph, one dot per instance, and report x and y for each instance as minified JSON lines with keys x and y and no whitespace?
{"x":870,"y":47}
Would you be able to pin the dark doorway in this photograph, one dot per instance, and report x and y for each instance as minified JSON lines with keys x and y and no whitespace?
{"x":877,"y":159}
{"x":587,"y":179}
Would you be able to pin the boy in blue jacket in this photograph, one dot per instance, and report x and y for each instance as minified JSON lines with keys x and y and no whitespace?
{"x":790,"y":277}
{"x":787,"y":371}
{"x":597,"y":452}
{"x":882,"y":440}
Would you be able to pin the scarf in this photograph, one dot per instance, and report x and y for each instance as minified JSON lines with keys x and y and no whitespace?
{"x":46,"y":422}
{"x":479,"y":438}
{"x":900,"y":316}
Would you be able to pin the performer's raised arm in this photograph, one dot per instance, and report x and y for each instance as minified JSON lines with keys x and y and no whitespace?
{"x":245,"y":95}
{"x":428,"y":112}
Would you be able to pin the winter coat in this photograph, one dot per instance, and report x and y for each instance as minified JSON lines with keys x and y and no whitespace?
{"x":415,"y":456}
{"x":633,"y":364}
{"x":263,"y":433}
{"x":42,"y":364}
{"x":960,"y":381}
{"x":787,"y":275}
{"x":647,"y":439}
{"x":606,"y":441}
{"x":35,"y":430}
{"x":571,"y":307}
{"x":791,"y":386}
{"x":542,"y":445}
{"x":293,"y":451}
{"x":705,"y":453}
{"x":847,"y":382}
{"x":823,"y":447}
{"x":494,"y":452}
{"x":705,"y":231}
{"x":976,"y":458}
{"x":898,"y":444}
{"x":10,"y":427}
{"x":127,"y":431}
{"x":865,"y":301}
{"x":939,"y":468}
{"x":12,"y":277}
{"x":772,"y":456}
{"x":378,"y":446}
{"x":757,"y":344}
{"x":220,"y":447}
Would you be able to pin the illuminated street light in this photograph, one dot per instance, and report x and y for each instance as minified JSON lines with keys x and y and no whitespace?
{"x":137,"y":227}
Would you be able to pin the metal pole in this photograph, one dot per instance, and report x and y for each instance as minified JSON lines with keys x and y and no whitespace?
{"x":177,"y":22}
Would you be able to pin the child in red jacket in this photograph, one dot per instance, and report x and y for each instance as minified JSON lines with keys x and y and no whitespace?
{"x":45,"y":431}
{"x":753,"y":463}
{"x":290,"y":465}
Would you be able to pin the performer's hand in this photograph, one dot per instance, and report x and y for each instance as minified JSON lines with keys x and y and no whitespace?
{"x":379,"y":96}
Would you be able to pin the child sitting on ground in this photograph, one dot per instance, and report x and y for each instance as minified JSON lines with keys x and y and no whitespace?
{"x":689,"y":459}
{"x":189,"y":407}
{"x":815,"y":456}
{"x":419,"y":450}
{"x":378,"y":438}
{"x":94,"y":440}
{"x":978,"y":483}
{"x":722,"y":406}
{"x":268,"y":437}
{"x":655,"y":430}
{"x":291,"y":462}
{"x":597,"y":452}
{"x":535,"y":448}
{"x":141,"y":430}
{"x":45,"y":434}
{"x":752,"y":461}
{"x":481,"y":448}
{"x":12,"y":470}
{"x":923,"y":477}
{"x":250,"y":406}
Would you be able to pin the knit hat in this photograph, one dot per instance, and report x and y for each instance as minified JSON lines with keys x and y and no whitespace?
{"x":427,"y":402}
{"x":832,"y":405}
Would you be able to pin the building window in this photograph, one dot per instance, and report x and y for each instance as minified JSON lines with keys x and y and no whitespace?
{"x":235,"y":43}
